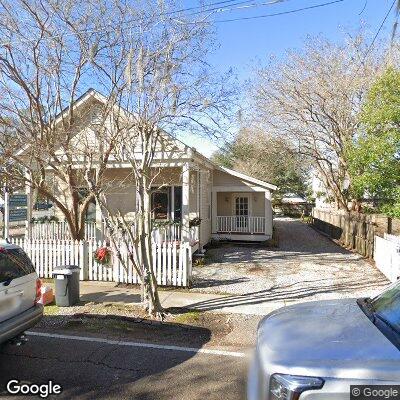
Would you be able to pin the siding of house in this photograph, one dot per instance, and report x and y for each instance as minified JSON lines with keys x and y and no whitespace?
{"x":168,"y":176}
{"x":85,"y":137}
{"x":121,"y":193}
{"x":221,"y":178}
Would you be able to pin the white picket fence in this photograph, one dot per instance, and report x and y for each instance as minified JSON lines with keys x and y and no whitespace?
{"x":387,"y":256}
{"x":172,"y":260}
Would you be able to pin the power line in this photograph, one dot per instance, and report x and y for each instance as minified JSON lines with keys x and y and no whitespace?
{"x":220,"y":9}
{"x":231,"y":3}
{"x":197,"y":7}
{"x":280,"y":13}
{"x":204,"y":9}
{"x":377,"y":34}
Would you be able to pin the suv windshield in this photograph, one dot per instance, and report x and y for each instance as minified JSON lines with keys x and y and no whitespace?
{"x":386,"y":306}
{"x":14,"y":263}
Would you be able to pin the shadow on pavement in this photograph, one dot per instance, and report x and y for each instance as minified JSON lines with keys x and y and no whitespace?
{"x":289,"y":293}
{"x":95,"y":370}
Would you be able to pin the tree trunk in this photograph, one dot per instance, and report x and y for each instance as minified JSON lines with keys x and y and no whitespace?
{"x":149,"y":278}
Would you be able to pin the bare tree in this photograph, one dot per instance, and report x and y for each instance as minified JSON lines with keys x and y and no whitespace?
{"x":163,"y":87}
{"x":313,"y":97}
{"x":46,"y":53}
{"x":155,"y":83}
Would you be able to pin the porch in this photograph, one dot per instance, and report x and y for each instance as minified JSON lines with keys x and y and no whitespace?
{"x":242,"y":214}
{"x":175,"y":203}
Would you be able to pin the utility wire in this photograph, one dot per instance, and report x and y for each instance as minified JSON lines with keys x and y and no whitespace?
{"x":231,"y":8}
{"x":197,"y":7}
{"x":203,"y":9}
{"x":279,"y":13}
{"x":376,"y":35}
{"x":127,"y":24}
{"x":239,"y":3}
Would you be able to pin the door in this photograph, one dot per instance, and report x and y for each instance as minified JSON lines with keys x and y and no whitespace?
{"x":166,"y":203}
{"x":160,"y":204}
{"x":241,"y":211}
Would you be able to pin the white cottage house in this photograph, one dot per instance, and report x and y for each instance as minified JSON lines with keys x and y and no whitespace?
{"x":231,"y":205}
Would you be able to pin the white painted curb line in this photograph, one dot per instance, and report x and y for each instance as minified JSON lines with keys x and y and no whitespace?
{"x":138,"y":344}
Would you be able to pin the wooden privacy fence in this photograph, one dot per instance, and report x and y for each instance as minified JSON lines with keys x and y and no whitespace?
{"x":172,"y":261}
{"x":387,"y":256}
{"x":354,"y":230}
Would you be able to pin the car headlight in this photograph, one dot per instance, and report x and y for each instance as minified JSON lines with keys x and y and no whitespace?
{"x":289,"y":387}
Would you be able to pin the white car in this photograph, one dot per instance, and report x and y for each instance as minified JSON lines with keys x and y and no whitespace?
{"x":19,"y":292}
{"x":325,"y":349}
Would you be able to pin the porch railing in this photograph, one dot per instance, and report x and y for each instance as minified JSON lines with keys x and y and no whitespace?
{"x":241,"y":224}
{"x":167,"y":233}
{"x":60,"y":231}
{"x":173,"y":233}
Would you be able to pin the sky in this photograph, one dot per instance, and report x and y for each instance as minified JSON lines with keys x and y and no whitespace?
{"x":244,"y":44}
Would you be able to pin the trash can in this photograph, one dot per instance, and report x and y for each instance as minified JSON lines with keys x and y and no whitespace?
{"x":66,"y":279}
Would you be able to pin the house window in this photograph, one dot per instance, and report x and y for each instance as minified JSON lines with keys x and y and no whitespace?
{"x":160,"y":203}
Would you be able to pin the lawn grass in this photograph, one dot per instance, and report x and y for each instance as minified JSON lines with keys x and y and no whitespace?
{"x":188,"y":317}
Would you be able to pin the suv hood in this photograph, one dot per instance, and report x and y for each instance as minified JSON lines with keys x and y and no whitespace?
{"x":327,"y":339}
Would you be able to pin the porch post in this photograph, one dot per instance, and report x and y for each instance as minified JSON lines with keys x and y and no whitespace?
{"x":214,"y":211}
{"x":268,"y":214}
{"x":198,"y":193}
{"x":185,"y":201}
{"x":29,"y":205}
{"x":172,"y":205}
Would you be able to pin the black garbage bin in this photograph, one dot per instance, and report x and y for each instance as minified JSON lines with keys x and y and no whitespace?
{"x":66,"y":279}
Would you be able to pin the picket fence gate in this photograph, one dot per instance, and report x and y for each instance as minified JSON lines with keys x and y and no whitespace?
{"x":387,"y":255}
{"x":172,"y":260}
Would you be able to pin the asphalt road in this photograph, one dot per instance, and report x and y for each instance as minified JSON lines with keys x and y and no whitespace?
{"x":97,"y":370}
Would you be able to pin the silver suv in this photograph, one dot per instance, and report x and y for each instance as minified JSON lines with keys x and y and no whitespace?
{"x":19,"y":292}
{"x":317,"y":350}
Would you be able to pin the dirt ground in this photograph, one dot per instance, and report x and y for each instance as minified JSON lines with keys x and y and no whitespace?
{"x":191,"y":328}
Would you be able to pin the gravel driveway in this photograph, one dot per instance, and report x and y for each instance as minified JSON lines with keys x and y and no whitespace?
{"x":306,"y":266}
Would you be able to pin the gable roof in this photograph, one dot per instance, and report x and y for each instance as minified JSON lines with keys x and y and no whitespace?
{"x":92,"y":93}
{"x":248,"y":178}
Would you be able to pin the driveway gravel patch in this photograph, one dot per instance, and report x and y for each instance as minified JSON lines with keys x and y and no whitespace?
{"x":306,"y":266}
